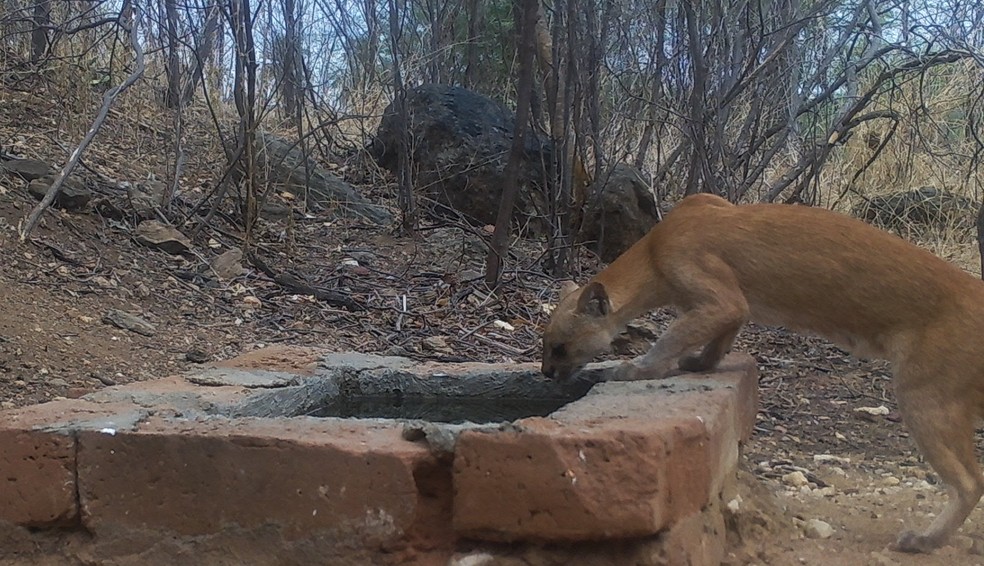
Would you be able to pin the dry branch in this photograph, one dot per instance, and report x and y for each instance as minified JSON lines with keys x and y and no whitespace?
{"x":108,"y":99}
{"x":294,"y":284}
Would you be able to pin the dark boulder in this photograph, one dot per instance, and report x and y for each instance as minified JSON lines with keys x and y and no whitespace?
{"x":619,"y":209}
{"x":460,"y":142}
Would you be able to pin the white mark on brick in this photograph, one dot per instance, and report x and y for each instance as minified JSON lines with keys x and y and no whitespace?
{"x":380,"y":521}
{"x":109,"y":431}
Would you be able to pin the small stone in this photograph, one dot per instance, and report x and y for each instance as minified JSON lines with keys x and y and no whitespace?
{"x":435,"y":344}
{"x":795,"y":479}
{"x":217,"y":377}
{"x":154,"y":234}
{"x":880,"y":410}
{"x":228,"y":265}
{"x":363,"y":258}
{"x":503,"y":325}
{"x":817,"y":529}
{"x":891,"y":481}
{"x":72,"y":196}
{"x":128,"y":321}
{"x":828,"y":491}
{"x":197,"y":356}
{"x":830,"y":458}
{"x":108,"y":381}
{"x":57,"y":382}
{"x":252,"y":302}
{"x":146,"y":197}
{"x":101,"y":281}
{"x":473,"y":559}
{"x":27,"y":169}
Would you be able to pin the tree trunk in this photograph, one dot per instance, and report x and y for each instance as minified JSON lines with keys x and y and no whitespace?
{"x":245,"y":97}
{"x":39,"y":35}
{"x":526,"y":26}
{"x":471,"y":49}
{"x":172,"y":98}
{"x":291,"y":78}
{"x":404,"y":179}
{"x":203,"y":52}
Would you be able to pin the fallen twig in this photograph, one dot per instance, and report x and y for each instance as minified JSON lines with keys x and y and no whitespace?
{"x":295,"y":285}
{"x":504,"y":348}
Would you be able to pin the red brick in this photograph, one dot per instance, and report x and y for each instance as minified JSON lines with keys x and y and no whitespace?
{"x":303,"y":479}
{"x":37,"y":478}
{"x":740,"y":372}
{"x":569,"y":484}
{"x":626,"y":461}
{"x":696,"y":540}
{"x":38,"y":464}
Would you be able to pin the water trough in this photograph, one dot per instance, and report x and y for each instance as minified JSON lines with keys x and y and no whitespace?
{"x":295,"y":456}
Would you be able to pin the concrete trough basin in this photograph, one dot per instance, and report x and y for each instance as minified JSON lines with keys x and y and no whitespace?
{"x":229,"y":465}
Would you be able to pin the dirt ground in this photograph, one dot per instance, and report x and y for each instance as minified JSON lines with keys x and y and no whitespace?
{"x":422,"y":296}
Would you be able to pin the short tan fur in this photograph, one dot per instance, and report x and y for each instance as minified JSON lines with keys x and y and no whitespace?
{"x":807,"y":269}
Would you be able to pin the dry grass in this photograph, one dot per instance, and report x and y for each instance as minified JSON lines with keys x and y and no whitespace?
{"x":930,"y":147}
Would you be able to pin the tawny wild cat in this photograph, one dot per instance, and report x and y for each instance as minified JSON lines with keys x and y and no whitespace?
{"x":808,"y":269}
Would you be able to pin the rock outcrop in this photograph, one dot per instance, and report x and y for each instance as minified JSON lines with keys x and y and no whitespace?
{"x":459,"y":144}
{"x":618,"y":210}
